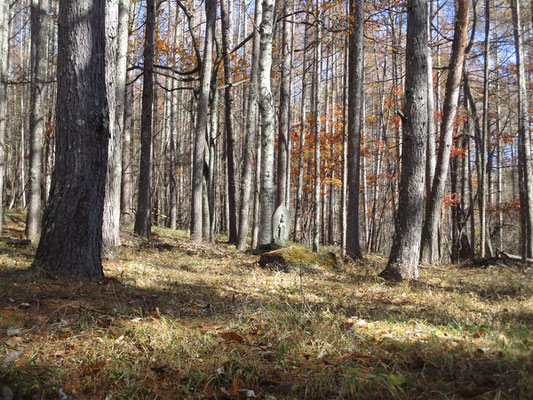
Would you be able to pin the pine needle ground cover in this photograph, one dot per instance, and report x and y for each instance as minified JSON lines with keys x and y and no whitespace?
{"x":172,"y":320}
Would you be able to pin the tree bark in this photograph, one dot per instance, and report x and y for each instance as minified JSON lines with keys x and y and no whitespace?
{"x":284,"y":106}
{"x":39,"y":33}
{"x":298,"y":215}
{"x":483,"y":145}
{"x":317,"y":128}
{"x":431,"y":159}
{"x":143,"y":218}
{"x":201,"y":124}
{"x":128,"y":126}
{"x":355,"y":104}
{"x":228,"y":110}
{"x":524,"y":144}
{"x":111,"y":223}
{"x":4,"y":56}
{"x":71,"y":239}
{"x":251,"y":133}
{"x":430,"y":243}
{"x":404,"y":255}
{"x":266,"y":107}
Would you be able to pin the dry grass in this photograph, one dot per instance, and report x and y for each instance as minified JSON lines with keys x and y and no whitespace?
{"x":172,"y":320}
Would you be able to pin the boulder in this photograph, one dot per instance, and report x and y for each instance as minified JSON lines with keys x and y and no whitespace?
{"x":291,"y":258}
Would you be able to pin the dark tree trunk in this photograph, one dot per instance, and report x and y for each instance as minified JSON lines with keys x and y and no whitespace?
{"x":524,"y":144}
{"x":404,"y":255}
{"x":71,"y":239}
{"x":143,"y":218}
{"x":39,"y":34}
{"x":355,"y":103}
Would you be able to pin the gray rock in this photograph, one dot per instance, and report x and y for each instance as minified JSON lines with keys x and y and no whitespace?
{"x":13,"y":331}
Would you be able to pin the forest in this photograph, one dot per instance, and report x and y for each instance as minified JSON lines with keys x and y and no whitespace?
{"x":273,"y":199}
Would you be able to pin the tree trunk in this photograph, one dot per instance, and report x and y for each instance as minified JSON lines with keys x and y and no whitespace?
{"x":431,"y":161}
{"x":404,"y":256}
{"x":251,"y":134}
{"x":228,"y":110}
{"x":355,"y":104}
{"x":524,"y":144}
{"x":266,"y":107}
{"x":121,"y":105}
{"x":298,"y":215}
{"x":143,"y":218}
{"x":111,"y":224}
{"x":284,"y":105}
{"x":201,"y":123}
{"x":430,"y":243}
{"x":71,"y":238}
{"x":317,"y":128}
{"x":483,"y":145}
{"x":4,"y":56}
{"x":126,"y":193}
{"x":128,"y":126}
{"x":39,"y":33}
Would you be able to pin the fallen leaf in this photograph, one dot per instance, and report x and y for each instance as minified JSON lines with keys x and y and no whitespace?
{"x":115,"y":331}
{"x":93,"y":367}
{"x":235,"y":388}
{"x":346,"y":326}
{"x":232,"y":336}
{"x":477,"y":335}
{"x":13,"y":341}
{"x":360,"y":355}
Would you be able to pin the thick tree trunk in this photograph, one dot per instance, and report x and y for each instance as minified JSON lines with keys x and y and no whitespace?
{"x":430,"y":243}
{"x":201,"y":124}
{"x":4,"y":56}
{"x":71,"y":238}
{"x":39,"y":34}
{"x":355,"y":104}
{"x":143,"y":218}
{"x":404,"y":256}
{"x":111,"y":223}
{"x":266,"y":107}
{"x":524,"y":143}
{"x":251,"y":134}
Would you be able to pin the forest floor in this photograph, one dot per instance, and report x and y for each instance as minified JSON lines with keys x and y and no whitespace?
{"x":173,"y":320}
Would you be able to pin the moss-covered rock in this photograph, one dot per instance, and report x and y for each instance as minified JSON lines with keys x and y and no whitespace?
{"x":295,"y":257}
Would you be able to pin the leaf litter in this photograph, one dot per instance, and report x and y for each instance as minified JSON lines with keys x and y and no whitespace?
{"x":176,"y":320}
